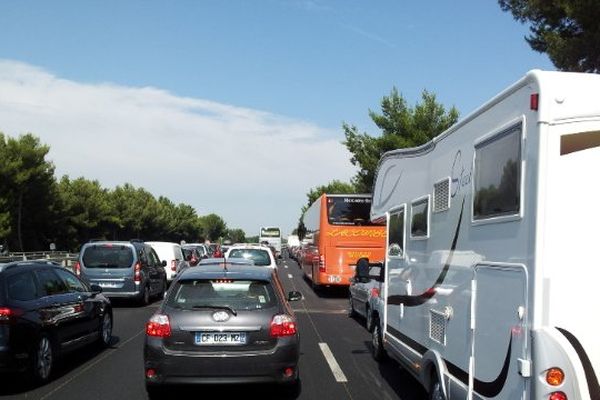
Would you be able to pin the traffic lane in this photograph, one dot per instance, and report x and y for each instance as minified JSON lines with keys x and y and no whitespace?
{"x":349,"y":341}
{"x":89,"y":364}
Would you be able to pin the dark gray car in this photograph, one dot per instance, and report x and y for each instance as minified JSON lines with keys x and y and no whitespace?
{"x":129,"y":270}
{"x":220,"y":326}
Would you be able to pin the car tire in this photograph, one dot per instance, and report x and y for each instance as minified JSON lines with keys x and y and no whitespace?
{"x":369,"y":319}
{"x":145,"y":298}
{"x":155,"y":392}
{"x":106,"y":326}
{"x":378,"y":351}
{"x":351,"y":311}
{"x":42,"y":359}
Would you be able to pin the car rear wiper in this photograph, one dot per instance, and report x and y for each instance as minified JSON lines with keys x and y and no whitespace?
{"x":230,"y":309}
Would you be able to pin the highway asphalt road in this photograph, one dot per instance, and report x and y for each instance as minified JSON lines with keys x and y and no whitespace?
{"x":335,"y":361}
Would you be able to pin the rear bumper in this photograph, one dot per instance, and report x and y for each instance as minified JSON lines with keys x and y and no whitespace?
{"x":9,"y":362}
{"x":333,"y":279}
{"x":222,"y":368}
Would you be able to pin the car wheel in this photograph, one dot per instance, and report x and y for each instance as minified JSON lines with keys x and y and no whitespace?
{"x":435,"y":391}
{"x":106,"y":330}
{"x":352,"y":310}
{"x":155,"y":392}
{"x":145,"y":299}
{"x":42,"y":359}
{"x":369,"y":319}
{"x":377,"y":341}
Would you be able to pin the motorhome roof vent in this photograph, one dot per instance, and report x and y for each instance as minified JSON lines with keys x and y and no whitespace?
{"x":441,"y":195}
{"x":437,"y":326}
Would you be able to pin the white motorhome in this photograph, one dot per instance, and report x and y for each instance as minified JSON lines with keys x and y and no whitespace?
{"x":492,"y":260}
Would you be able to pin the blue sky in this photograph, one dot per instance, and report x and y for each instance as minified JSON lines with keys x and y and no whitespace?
{"x":264,"y":73}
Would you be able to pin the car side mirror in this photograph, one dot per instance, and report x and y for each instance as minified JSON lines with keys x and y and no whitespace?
{"x":294,"y":296}
{"x":96,"y":289}
{"x":163,"y":263}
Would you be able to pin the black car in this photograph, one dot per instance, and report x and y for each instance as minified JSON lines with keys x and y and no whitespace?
{"x":46,"y":311}
{"x":223,"y":325}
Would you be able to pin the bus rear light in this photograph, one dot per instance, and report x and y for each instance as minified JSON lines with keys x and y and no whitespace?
{"x":282,"y":325}
{"x":137,"y":272}
{"x":77,"y":268}
{"x":158,"y":326}
{"x":558,"y":396}
{"x":322,"y":263}
{"x":555,"y":377}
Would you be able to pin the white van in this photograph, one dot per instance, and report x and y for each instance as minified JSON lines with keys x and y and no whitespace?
{"x":173,"y":255}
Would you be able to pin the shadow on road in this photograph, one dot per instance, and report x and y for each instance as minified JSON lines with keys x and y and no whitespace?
{"x":331,"y":292}
{"x":255,"y":391}
{"x":21,"y":383}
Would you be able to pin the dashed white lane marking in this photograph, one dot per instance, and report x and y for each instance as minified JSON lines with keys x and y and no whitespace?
{"x":285,"y":266}
{"x":290,"y":276}
{"x":338,"y":374}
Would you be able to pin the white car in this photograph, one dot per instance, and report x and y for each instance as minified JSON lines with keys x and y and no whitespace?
{"x":172,"y":254}
{"x":261,"y":255}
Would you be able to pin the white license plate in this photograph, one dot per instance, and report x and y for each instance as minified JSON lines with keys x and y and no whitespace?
{"x":220,"y":338}
{"x":107,"y":285}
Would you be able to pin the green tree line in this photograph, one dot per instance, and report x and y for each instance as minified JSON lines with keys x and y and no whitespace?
{"x":37,"y":209}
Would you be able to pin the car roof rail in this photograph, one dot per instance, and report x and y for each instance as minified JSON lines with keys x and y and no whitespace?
{"x":136,"y":240}
{"x":96,"y":240}
{"x":15,"y":264}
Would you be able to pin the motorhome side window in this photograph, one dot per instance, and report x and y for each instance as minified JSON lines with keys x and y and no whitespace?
{"x":419,"y":227}
{"x":396,"y":234}
{"x":498,"y":175}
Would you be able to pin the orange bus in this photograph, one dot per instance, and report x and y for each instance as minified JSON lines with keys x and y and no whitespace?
{"x":341,"y":234}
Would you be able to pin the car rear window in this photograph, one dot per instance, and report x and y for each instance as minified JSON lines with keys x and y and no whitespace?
{"x":108,"y":256}
{"x":260,"y":257}
{"x":237,"y":294}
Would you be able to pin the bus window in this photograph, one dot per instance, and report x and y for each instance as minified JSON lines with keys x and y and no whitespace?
{"x":348,"y":210}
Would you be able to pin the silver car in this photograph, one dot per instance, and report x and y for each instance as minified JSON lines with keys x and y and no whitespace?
{"x":365,"y":292}
{"x":223,"y":325}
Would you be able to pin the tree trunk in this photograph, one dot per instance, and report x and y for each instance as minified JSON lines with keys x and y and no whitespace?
{"x":19,"y":215}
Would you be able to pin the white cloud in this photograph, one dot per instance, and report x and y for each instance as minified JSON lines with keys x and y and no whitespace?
{"x":251,"y":167}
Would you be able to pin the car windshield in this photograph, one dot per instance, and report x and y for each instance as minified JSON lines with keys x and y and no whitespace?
{"x":222,"y":293}
{"x":260,"y":257}
{"x":108,"y":256}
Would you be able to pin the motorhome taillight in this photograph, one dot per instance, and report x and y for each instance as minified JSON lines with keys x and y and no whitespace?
{"x":137,"y":272}
{"x":77,"y":268}
{"x":558,"y":396}
{"x":173,"y":265}
{"x":534,"y":101}
{"x":555,"y":376}
{"x":322,"y":263}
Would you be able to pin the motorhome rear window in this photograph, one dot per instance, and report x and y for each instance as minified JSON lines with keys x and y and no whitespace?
{"x":497,"y":179}
{"x":396,"y":234}
{"x":419,"y":227}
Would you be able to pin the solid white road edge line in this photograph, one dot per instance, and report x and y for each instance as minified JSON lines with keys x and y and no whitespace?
{"x":338,"y":374}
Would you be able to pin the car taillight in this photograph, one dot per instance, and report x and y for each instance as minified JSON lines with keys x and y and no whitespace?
{"x":77,"y":268}
{"x":6,"y":313}
{"x":137,"y":272}
{"x":173,"y":265}
{"x":158,"y":326}
{"x":282,"y":325}
{"x":375,"y":292}
{"x":322,"y":263}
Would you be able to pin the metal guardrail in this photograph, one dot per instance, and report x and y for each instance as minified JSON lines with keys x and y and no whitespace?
{"x":65,"y":259}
